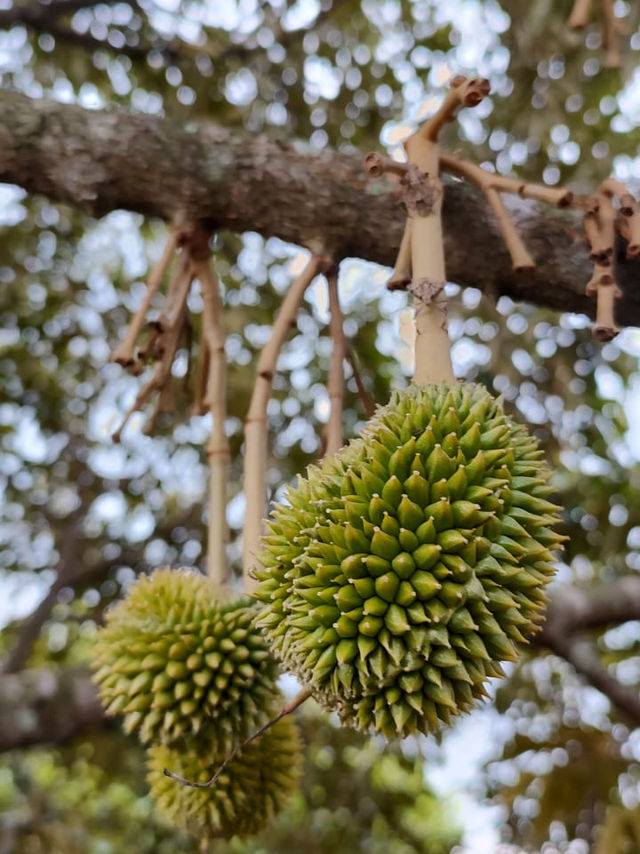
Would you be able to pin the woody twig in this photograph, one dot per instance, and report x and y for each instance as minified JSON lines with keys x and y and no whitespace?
{"x":610,"y":28}
{"x":124,"y":353}
{"x":599,"y":224}
{"x":367,"y":401}
{"x":603,"y":286}
{"x":610,"y":35}
{"x":580,"y":14}
{"x":215,"y":401}
{"x":335,"y":381}
{"x":166,"y":342}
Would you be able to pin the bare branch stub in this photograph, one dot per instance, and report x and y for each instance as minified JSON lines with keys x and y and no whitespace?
{"x":601,"y":222}
{"x":609,"y":27}
{"x":580,"y":14}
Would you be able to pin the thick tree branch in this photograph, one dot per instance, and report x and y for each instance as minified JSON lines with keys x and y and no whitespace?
{"x":99,"y":161}
{"x":572,"y":612}
{"x":46,"y":706}
{"x":39,"y":14}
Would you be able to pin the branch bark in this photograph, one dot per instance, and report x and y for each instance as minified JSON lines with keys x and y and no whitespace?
{"x":572,"y":612}
{"x":100,"y":161}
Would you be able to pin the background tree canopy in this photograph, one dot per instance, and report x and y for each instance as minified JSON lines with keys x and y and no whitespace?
{"x":280,"y":100}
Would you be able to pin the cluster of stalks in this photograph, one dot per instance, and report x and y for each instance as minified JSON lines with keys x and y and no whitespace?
{"x":152,"y":345}
{"x":610,"y":26}
{"x":610,"y":210}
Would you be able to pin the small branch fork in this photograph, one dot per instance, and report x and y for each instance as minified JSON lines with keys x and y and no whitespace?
{"x":297,"y":701}
{"x":611,"y":28}
{"x":420,"y":265}
{"x":609,"y":210}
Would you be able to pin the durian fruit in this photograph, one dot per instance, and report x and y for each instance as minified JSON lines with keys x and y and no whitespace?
{"x":255,"y":785}
{"x":401,"y":571}
{"x":179,"y":657}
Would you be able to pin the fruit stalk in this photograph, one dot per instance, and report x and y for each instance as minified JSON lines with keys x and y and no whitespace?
{"x":433,"y":360}
{"x":255,"y":429}
{"x":215,"y":400}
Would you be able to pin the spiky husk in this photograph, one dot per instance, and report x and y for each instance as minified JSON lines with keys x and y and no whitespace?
{"x":252,"y":789}
{"x":179,"y":657}
{"x":400,"y":572}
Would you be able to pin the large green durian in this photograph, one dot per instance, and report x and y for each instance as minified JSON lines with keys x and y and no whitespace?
{"x":401,"y":571}
{"x":179,"y":657}
{"x":249,"y":792}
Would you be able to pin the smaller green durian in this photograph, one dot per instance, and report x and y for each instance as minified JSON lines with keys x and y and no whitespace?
{"x":251,"y":790}
{"x":180,"y":658}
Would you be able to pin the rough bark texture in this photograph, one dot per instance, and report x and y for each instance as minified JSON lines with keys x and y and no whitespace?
{"x":99,"y":161}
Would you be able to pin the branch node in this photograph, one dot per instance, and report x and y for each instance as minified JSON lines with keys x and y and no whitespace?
{"x":419,"y":191}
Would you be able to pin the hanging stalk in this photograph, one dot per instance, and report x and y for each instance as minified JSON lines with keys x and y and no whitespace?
{"x":335,"y":381}
{"x":215,"y":402}
{"x":255,"y":428}
{"x":423,"y":195}
{"x":218,"y":445}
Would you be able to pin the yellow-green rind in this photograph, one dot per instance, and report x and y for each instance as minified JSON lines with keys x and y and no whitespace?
{"x":180,"y":658}
{"x":253,"y":788}
{"x":401,"y":571}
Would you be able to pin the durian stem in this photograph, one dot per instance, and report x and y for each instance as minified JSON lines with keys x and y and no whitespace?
{"x":432,"y":356}
{"x":335,"y":381}
{"x":215,"y":400}
{"x":432,"y":351}
{"x":288,"y":709}
{"x":255,"y":430}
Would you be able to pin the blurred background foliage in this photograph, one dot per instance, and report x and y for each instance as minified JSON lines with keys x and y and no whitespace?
{"x":80,"y":516}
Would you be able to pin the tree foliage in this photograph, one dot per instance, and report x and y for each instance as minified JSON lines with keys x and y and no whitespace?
{"x":80,"y":516}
